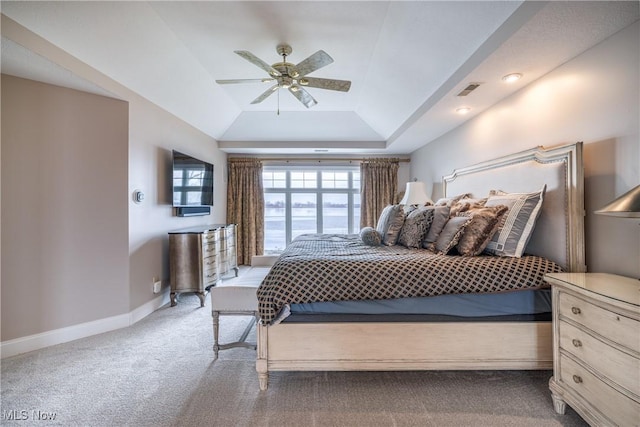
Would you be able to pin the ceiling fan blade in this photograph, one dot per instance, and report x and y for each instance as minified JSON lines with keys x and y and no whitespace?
{"x":303,"y":96}
{"x":234,"y":81}
{"x":265,"y":94}
{"x":329,"y":84}
{"x":259,"y":62}
{"x":314,"y":62}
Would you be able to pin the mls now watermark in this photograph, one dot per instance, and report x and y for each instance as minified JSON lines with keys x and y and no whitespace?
{"x":26,"y":415}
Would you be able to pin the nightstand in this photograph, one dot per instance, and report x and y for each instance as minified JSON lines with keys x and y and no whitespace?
{"x":596,"y":347}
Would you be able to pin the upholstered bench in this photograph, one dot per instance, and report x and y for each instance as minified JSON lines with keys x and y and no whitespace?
{"x":237,"y":298}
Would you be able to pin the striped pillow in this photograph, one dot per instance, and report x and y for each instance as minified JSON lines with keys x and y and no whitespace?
{"x":390,"y":223}
{"x":517,"y":225}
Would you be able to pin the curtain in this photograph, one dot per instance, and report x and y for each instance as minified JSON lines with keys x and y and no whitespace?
{"x":379,"y":181}
{"x":245,"y":206}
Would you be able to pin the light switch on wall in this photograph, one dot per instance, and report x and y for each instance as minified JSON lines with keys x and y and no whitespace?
{"x":138,"y":196}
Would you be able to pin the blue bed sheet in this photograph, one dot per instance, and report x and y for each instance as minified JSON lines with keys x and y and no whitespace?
{"x":465,"y":305}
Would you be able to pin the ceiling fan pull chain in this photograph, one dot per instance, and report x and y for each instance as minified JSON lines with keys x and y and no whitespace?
{"x":278,"y":101}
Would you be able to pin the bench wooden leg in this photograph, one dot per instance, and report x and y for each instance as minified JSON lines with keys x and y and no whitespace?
{"x":216,"y":327}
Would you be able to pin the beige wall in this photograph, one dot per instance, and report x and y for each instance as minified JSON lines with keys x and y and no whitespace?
{"x":593,"y":98}
{"x":153,"y":133}
{"x":143,"y":163}
{"x":76,"y":248}
{"x":64,"y":215}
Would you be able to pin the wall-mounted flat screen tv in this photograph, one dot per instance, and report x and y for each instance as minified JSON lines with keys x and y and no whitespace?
{"x":192,"y":181}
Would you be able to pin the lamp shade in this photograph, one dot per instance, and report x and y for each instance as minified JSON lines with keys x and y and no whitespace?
{"x":626,"y":206}
{"x":415,"y":194}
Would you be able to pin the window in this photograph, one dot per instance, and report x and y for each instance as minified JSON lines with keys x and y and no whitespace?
{"x":309,"y":200}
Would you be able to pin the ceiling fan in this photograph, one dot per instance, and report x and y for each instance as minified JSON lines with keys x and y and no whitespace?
{"x":292,"y":77}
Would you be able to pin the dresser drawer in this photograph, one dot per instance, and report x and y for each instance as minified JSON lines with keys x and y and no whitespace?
{"x":615,"y":327}
{"x":618,"y":408}
{"x":210,"y":237}
{"x":209,"y":249}
{"x":210,"y":262}
{"x":209,"y":277}
{"x":620,"y":367}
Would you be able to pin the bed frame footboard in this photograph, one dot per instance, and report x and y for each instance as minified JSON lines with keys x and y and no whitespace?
{"x":380,"y":346}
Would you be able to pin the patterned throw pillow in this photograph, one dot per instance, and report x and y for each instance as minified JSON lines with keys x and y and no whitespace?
{"x":517,"y":225}
{"x":440,"y":218}
{"x":415,"y":227}
{"x":370,"y":236}
{"x":448,"y":201}
{"x":463,"y":205}
{"x":390,"y":223}
{"x":450,"y":235}
{"x":485,"y":221}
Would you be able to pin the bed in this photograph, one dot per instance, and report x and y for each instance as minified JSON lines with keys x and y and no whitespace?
{"x":341,"y":341}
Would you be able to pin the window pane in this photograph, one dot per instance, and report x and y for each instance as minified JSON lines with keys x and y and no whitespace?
{"x":267,"y":179}
{"x":328,"y":180}
{"x":275,"y":237}
{"x":356,"y":180}
{"x":274,"y":179}
{"x":306,"y":179}
{"x":332,"y":179}
{"x":303,"y":214}
{"x":335,"y":213}
{"x":356,"y":212}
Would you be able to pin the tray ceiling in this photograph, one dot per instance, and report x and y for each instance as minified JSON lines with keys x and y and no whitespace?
{"x":406,"y":60}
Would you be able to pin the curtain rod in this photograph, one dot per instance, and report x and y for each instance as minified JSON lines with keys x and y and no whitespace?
{"x":327,"y":159}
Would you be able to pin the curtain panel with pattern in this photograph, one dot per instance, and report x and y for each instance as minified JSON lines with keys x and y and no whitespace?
{"x":379,"y":181}
{"x":245,"y":206}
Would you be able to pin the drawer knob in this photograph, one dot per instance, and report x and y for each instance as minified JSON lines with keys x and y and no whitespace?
{"x":575,"y":310}
{"x":577,"y":343}
{"x":577,"y":379}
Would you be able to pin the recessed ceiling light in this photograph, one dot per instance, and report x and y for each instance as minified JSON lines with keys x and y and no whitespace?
{"x":463,"y":110}
{"x":513,"y":77}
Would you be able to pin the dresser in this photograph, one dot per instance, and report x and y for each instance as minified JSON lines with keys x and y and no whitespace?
{"x":199,"y":257}
{"x":596,"y":347}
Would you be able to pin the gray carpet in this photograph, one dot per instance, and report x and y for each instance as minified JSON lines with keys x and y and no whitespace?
{"x":159,"y":372}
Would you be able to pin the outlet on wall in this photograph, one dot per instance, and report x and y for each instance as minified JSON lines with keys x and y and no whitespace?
{"x":157,"y":285}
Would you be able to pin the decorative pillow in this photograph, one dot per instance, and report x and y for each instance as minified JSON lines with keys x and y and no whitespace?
{"x":415,"y":227}
{"x":390,"y":223}
{"x":463,"y":205}
{"x":440,"y":218}
{"x":517,"y":225}
{"x":370,"y":236}
{"x":448,"y":201}
{"x":450,"y":234}
{"x":485,"y":221}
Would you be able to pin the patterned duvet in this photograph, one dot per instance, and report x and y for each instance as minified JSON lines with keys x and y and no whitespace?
{"x":338,"y":267}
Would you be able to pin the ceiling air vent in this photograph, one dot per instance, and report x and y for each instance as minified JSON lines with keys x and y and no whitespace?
{"x":467,"y":90}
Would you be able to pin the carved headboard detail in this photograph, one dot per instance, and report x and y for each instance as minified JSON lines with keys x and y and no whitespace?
{"x":559,"y":231}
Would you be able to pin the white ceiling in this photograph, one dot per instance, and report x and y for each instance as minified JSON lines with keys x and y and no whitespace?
{"x":407,"y":61}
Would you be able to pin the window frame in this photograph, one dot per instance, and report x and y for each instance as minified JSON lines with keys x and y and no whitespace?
{"x":350,"y":191}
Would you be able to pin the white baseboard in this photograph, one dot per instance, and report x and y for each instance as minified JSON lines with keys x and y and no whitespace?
{"x":70,"y":333}
{"x":146,"y":309}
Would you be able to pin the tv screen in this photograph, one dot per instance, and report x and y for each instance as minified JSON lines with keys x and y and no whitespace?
{"x":192,"y":181}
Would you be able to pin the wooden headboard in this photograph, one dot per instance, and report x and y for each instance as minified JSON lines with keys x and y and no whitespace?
{"x":559,"y":231}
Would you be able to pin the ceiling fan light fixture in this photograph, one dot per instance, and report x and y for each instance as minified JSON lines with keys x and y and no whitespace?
{"x":292,"y":76}
{"x":511,"y":78}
